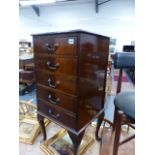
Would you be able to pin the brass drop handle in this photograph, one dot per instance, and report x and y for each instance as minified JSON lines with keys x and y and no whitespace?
{"x":51,"y":66}
{"x":53,"y":85}
{"x":53,"y":114}
{"x":52,"y":48}
{"x":53,"y":100}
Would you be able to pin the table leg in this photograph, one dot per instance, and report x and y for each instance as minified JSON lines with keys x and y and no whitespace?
{"x":42,"y":125}
{"x":76,"y":140}
{"x":99,"y":122}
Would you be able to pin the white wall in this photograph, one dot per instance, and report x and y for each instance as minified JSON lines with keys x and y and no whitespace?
{"x":115,"y":19}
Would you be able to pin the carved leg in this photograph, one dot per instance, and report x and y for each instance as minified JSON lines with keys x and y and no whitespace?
{"x":76,"y":140}
{"x":99,"y":122}
{"x":42,"y":125}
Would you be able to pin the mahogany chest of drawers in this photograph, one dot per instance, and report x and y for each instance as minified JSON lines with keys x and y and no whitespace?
{"x":70,"y":69}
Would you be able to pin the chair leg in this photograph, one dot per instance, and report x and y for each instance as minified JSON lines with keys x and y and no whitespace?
{"x":99,"y":122}
{"x":119,"y":119}
{"x":115,"y":119}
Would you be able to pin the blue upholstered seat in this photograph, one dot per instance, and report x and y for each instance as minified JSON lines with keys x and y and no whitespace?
{"x":125,"y":101}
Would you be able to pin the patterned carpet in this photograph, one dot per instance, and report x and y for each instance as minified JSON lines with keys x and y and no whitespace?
{"x":127,"y":84}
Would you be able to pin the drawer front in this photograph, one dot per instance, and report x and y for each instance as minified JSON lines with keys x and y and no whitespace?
{"x":60,"y":82}
{"x":55,"y":45}
{"x":57,"y":99}
{"x":55,"y":64}
{"x":56,"y":115}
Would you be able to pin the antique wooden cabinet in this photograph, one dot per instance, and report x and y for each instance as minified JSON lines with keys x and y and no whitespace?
{"x":70,"y":69}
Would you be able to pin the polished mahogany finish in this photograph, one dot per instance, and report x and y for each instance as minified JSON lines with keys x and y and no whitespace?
{"x":56,"y":64}
{"x":55,"y":45}
{"x":57,"y":98}
{"x":71,"y":70}
{"x":56,"y":114}
{"x":60,"y":82}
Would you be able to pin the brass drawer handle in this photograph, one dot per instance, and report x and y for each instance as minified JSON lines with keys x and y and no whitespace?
{"x":50,"y":48}
{"x":52,"y":85}
{"x":53,"y":100}
{"x":53,"y":114}
{"x":51,"y":66}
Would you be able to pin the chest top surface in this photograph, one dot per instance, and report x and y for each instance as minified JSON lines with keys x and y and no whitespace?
{"x":69,"y":32}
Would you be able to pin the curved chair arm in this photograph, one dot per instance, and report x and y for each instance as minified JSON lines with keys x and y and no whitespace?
{"x":124,"y":60}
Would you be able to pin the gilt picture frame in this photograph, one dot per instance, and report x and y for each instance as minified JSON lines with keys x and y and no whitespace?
{"x":29,"y":129}
{"x":61,"y":144}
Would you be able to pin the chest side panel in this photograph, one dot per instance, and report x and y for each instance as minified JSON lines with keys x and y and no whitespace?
{"x":93,"y":59}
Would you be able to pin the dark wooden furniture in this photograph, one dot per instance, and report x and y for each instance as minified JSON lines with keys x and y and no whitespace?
{"x":130,"y":72}
{"x":26,"y":64}
{"x":23,"y":46}
{"x":70,"y":72}
{"x":128,"y":48}
{"x":26,"y":76}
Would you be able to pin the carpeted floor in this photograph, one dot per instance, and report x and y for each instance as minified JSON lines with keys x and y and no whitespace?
{"x":125,"y":77}
{"x":127,"y":84}
{"x":29,"y":96}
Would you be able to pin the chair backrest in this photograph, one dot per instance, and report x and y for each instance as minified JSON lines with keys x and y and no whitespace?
{"x":123,"y":60}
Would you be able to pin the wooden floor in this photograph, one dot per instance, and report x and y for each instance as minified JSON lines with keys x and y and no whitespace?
{"x":107,"y":144}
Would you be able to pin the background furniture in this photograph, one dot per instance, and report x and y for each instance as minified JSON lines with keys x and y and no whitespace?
{"x":131,"y":71}
{"x":70,"y":75}
{"x":26,"y":64}
{"x":129,"y":48}
{"x":24,"y":45}
{"x":26,"y":67}
{"x":124,"y":101}
{"x":26,"y":76}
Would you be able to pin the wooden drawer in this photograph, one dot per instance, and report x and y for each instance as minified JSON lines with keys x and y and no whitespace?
{"x":57,"y":99}
{"x":60,"y":82}
{"x":55,"y":45}
{"x":63,"y":65}
{"x":56,"y":115}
